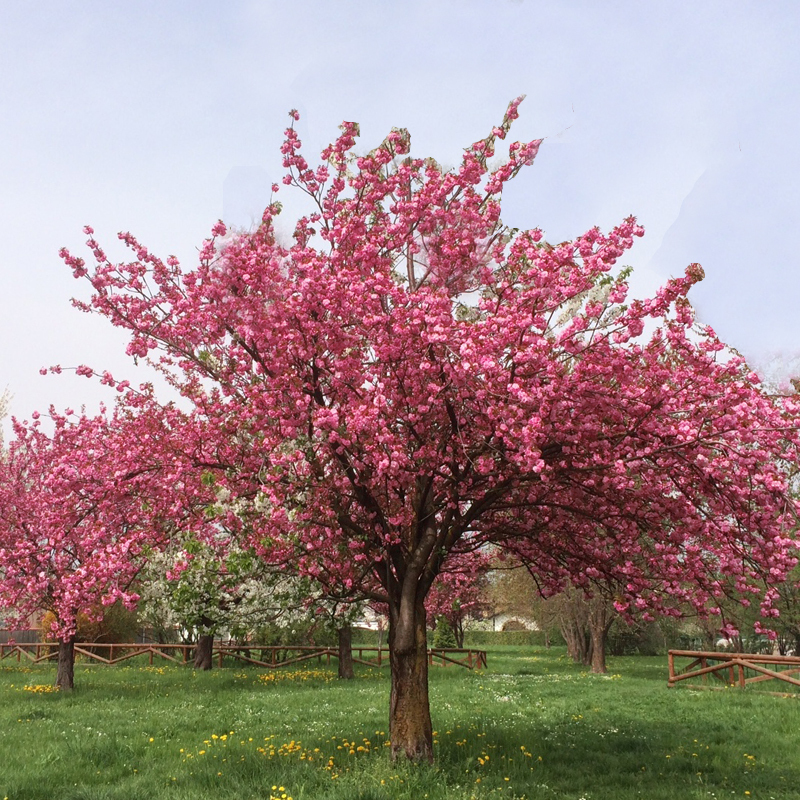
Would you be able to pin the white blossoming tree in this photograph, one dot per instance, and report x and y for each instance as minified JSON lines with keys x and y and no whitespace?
{"x":209,"y":589}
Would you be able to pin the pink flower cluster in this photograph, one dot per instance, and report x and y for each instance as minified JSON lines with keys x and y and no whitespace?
{"x":83,"y":504}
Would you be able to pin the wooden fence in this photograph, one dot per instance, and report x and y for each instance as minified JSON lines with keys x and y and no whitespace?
{"x":733,"y":669}
{"x":25,"y":635}
{"x":273,"y":657}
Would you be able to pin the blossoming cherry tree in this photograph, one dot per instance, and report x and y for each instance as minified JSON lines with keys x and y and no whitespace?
{"x":409,"y":378}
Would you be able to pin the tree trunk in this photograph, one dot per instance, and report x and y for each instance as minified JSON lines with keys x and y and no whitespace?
{"x":570,"y":637}
{"x":599,"y":633}
{"x":410,"y":728}
{"x":600,"y":621}
{"x":458,"y":630}
{"x":203,"y":650}
{"x":345,"y":634}
{"x":588,"y":652}
{"x":65,"y":673}
{"x":579,"y":643}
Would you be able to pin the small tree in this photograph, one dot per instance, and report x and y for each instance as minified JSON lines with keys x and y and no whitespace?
{"x":338,"y":616}
{"x":72,"y":525}
{"x":460,"y":592}
{"x":213,"y":587}
{"x":584,"y":623}
{"x":443,"y":634}
{"x":114,"y":623}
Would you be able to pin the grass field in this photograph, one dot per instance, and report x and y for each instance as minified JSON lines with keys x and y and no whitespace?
{"x":531,"y":726}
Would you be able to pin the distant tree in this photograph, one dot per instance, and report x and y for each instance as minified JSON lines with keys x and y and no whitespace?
{"x":339,"y":616}
{"x":582,"y":621}
{"x":113,"y":623}
{"x":57,"y":552}
{"x":459,"y":593}
{"x":443,"y":634}
{"x":513,"y":591}
{"x":206,"y":588}
{"x":79,"y":507}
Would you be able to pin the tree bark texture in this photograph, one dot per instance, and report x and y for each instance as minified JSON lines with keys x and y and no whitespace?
{"x":410,"y":728}
{"x":345,"y":635}
{"x":579,"y":644}
{"x":65,"y":673}
{"x":202,"y":652}
{"x":599,"y":625}
{"x":458,"y":630}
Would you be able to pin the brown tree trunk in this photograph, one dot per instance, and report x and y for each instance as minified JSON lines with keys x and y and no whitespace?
{"x":203,"y":650}
{"x":458,"y":630}
{"x":65,"y":673}
{"x":599,"y":624}
{"x":579,"y":643}
{"x":600,"y":621}
{"x":599,"y":654}
{"x":345,"y":634}
{"x":569,"y":634}
{"x":410,"y":728}
{"x":599,"y":633}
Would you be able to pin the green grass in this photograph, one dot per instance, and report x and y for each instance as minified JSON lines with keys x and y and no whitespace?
{"x":531,"y":726}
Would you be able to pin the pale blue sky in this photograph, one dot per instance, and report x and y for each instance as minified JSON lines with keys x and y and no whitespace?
{"x":155,"y":117}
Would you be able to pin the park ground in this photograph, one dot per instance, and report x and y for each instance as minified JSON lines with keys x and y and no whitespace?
{"x":533,"y":725}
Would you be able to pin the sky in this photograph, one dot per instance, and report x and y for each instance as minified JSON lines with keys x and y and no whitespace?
{"x":161,"y":117}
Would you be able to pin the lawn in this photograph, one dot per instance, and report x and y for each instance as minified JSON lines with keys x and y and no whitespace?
{"x":531,"y":726}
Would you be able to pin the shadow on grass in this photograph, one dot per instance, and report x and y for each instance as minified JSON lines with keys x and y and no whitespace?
{"x":533,"y":726}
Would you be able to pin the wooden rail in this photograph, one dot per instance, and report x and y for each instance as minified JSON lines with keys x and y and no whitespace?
{"x":271,"y":657}
{"x":733,"y":669}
